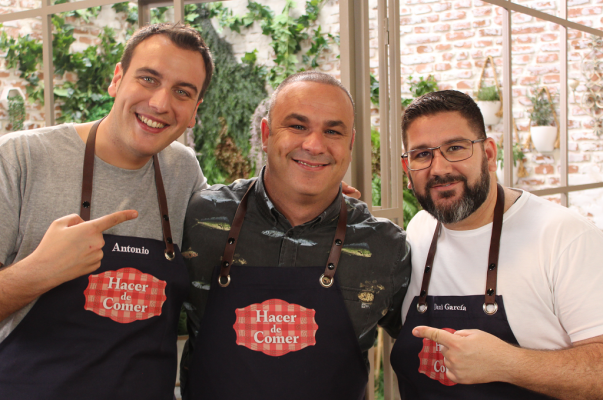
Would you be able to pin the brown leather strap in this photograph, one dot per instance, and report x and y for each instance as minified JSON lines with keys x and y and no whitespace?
{"x":499,"y":210}
{"x":88,"y":176}
{"x":493,"y":253}
{"x":421,"y":305}
{"x":163,"y":209}
{"x":233,"y":237}
{"x":88,"y":173}
{"x":327,"y":278}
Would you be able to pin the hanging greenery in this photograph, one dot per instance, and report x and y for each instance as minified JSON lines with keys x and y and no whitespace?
{"x":287,"y":34}
{"x":16,"y":112}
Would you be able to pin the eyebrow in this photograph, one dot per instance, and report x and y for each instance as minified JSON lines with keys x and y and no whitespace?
{"x":304,"y":119}
{"x":454,"y":139}
{"x":156,"y":74}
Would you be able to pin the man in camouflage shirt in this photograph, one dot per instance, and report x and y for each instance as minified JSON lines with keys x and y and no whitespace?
{"x":292,"y":214}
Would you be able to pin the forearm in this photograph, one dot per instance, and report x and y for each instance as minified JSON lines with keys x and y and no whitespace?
{"x":573,"y":373}
{"x":20,"y":284}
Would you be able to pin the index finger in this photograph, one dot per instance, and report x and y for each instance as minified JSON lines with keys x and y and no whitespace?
{"x":109,"y":221}
{"x":437,"y":335}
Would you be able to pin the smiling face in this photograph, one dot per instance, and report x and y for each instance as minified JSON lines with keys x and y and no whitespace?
{"x":309,"y":144}
{"x":451,"y":191}
{"x":155,"y":101}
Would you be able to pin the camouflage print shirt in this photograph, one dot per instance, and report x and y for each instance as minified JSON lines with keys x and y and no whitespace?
{"x":373,"y":272}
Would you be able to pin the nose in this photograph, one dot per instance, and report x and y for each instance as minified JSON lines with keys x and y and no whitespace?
{"x":160,"y":100}
{"x":314,"y":142}
{"x":439,"y":165}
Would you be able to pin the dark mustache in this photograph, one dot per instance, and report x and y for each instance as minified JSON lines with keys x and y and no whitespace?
{"x":442,"y":180}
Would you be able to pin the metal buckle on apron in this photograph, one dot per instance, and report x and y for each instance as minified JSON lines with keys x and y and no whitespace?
{"x":490,"y":309}
{"x":224,"y":275}
{"x":421,"y":308}
{"x":326,"y":281}
{"x":224,"y":284}
{"x":170,"y":255}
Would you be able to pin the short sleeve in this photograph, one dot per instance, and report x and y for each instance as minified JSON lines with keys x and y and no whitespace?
{"x":577,"y":281}
{"x":10,"y":205}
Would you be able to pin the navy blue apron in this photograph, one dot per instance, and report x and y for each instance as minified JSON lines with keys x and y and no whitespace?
{"x":276,"y":332}
{"x":107,"y":335}
{"x":418,"y":362}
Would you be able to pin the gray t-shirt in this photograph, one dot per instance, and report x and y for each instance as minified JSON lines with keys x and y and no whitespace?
{"x":41,"y":181}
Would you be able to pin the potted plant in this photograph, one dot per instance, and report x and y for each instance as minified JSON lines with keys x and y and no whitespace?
{"x":488,"y":101}
{"x":518,"y":157}
{"x":541,"y":117}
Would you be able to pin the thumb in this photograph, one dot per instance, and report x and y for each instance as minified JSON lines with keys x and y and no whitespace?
{"x":68,"y":220}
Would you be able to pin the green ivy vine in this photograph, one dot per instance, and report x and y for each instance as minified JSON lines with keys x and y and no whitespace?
{"x":287,"y":34}
{"x":16,"y":112}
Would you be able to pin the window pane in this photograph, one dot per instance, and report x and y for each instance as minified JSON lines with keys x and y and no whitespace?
{"x":588,"y":203}
{"x":586,"y":109}
{"x":91,"y":43}
{"x":535,"y":72}
{"x":585,"y":12}
{"x":11,"y":6}
{"x":547,"y":6}
{"x":19,"y":107}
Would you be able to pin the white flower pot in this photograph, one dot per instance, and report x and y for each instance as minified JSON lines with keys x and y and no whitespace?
{"x":500,"y":174}
{"x":489,"y":110}
{"x":544,"y":138}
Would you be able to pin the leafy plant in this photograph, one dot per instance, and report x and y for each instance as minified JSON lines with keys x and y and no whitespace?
{"x":225,"y":114}
{"x":287,"y":34}
{"x":374,"y":90}
{"x":488,"y":93}
{"x":541,"y":113}
{"x":16,"y":112}
{"x":410,"y":204}
{"x":517,"y":155}
{"x":420,"y":87}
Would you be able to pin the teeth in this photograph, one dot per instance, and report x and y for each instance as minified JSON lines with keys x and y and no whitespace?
{"x":308,"y":165}
{"x":148,"y":122}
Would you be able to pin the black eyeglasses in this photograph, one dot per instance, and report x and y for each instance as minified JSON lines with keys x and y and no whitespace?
{"x":459,"y":150}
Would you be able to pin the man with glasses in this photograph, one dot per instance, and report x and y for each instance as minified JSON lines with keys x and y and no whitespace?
{"x":500,"y":303}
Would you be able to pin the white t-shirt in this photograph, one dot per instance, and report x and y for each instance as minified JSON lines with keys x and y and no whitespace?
{"x":550,"y":270}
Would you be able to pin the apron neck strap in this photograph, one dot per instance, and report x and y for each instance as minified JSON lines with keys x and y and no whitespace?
{"x":326,"y":279}
{"x":233,"y":237}
{"x":490,"y":306}
{"x":88,"y":176}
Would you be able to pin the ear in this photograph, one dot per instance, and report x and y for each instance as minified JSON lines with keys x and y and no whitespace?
{"x":490,"y":149}
{"x":353,"y":138}
{"x":265,"y":135}
{"x":117,"y":75}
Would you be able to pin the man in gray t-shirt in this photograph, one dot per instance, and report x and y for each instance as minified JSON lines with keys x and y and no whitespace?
{"x":47,"y":248}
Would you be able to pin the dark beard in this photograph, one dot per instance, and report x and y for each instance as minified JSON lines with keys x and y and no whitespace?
{"x":472,"y":198}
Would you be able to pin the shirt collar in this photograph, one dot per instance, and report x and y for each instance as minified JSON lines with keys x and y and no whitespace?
{"x":267,"y":208}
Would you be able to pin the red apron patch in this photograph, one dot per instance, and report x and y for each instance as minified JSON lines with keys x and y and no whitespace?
{"x":431,"y":361}
{"x":275,"y":327}
{"x":125,"y":295}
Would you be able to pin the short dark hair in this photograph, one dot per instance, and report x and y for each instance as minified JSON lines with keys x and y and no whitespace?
{"x":444,"y":101}
{"x":182,"y":36}
{"x":307,"y":76}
